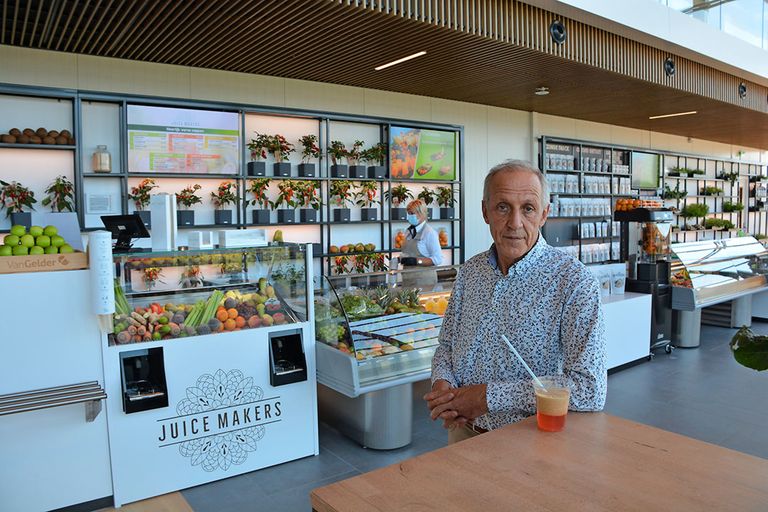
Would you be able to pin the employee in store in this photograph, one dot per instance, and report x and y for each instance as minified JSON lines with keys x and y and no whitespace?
{"x":421,"y":248}
{"x":546,"y":302}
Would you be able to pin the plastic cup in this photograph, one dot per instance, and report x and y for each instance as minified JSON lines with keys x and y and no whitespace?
{"x":551,"y":404}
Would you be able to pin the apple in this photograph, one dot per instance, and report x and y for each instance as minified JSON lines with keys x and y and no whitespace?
{"x":36,"y":250}
{"x":6,"y":250}
{"x":11,"y":240}
{"x":43,"y":241}
{"x":20,"y":250}
{"x":267,"y":320}
{"x":51,"y":250}
{"x":56,"y":240}
{"x":66,"y":249}
{"x":18,"y":230}
{"x":27,"y":240}
{"x":35,"y":231}
{"x":279,"y":318}
{"x":50,"y":231}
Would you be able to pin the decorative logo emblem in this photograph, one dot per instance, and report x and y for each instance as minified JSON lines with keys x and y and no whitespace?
{"x":220,"y":421}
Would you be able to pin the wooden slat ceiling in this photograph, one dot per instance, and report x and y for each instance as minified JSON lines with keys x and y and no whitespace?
{"x":493,"y":52}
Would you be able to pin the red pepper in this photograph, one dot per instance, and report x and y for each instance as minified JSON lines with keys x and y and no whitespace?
{"x":156,"y":308}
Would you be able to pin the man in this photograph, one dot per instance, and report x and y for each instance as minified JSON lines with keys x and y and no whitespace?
{"x":546,"y":302}
{"x":421,"y":248}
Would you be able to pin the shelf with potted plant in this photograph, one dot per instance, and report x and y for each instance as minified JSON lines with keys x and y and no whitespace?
{"x":428,"y":197}
{"x":397,"y":196}
{"x":338,"y":154}
{"x":354,"y":156}
{"x":60,"y":195}
{"x":285,"y":203}
{"x":375,"y":156}
{"x":17,"y":199}
{"x":140,"y":195}
{"x":446,"y":200}
{"x":340,"y":192}
{"x":221,"y":198}
{"x":281,"y":150}
{"x":309,"y":201}
{"x":187,"y":198}
{"x":258,"y":188}
{"x":257,"y":148}
{"x":310,"y":150}
{"x":366,"y":198}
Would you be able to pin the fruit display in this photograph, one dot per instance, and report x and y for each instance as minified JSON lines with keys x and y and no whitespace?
{"x":399,"y":239}
{"x":351,"y":248}
{"x":436,"y":305}
{"x":37,"y":241}
{"x":625,"y":205}
{"x":442,"y":236}
{"x":39,"y":136}
{"x":217,"y":312}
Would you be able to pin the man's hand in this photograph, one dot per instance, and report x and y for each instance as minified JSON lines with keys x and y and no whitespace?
{"x":466,"y":403}
{"x":441,"y":393}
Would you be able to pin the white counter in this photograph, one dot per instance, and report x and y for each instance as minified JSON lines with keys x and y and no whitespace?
{"x":627,"y":327}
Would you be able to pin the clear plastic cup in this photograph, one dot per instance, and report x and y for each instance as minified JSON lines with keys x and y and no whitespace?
{"x":551,"y":404}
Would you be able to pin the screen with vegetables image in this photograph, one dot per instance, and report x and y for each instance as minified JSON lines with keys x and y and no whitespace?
{"x":422,"y":154}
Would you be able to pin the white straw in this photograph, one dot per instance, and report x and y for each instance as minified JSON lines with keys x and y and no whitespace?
{"x":527,"y":368}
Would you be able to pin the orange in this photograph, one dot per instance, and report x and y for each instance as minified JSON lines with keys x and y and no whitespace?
{"x":230,"y":324}
{"x":221,"y":315}
{"x":232,"y":312}
{"x":240,"y":321}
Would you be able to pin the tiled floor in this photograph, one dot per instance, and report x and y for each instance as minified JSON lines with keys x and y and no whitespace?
{"x":702,"y":393}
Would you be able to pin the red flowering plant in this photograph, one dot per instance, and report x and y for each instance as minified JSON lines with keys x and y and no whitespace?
{"x":258,"y":146}
{"x":308,"y":194}
{"x":341,"y":192}
{"x":378,"y":263}
{"x":361,"y":263}
{"x":366,"y":194}
{"x":337,"y":151}
{"x":259,"y":190}
{"x":310,"y":149}
{"x":151,"y":276}
{"x":280,"y":148}
{"x":355,"y":154}
{"x":224,"y":195}
{"x":375,"y":154}
{"x":286,"y":197}
{"x":61,"y":194}
{"x":187,"y":196}
{"x":15,"y":197}
{"x":340,"y":264}
{"x":140,"y":193}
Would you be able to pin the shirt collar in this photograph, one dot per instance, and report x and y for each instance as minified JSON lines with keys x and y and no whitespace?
{"x":524,"y":264}
{"x":420,"y":227}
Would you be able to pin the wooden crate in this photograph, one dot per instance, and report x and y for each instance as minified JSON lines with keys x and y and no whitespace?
{"x":43,"y":263}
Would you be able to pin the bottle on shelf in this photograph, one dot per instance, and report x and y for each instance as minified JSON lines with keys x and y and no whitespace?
{"x":101,"y":161}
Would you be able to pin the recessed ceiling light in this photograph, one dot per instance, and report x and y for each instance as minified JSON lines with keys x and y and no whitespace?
{"x":541,"y":91}
{"x":398,"y":61}
{"x":674,"y":115}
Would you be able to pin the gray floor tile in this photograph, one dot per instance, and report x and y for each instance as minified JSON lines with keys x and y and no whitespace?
{"x":297,"y":500}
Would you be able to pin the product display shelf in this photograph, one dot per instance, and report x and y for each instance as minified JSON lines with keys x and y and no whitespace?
{"x":68,"y":147}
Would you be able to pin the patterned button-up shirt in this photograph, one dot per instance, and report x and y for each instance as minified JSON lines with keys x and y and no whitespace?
{"x":549,"y":307}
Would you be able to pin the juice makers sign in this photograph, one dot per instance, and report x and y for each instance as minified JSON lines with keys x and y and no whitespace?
{"x":220,"y":421}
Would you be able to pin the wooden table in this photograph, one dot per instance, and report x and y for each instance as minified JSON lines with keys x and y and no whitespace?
{"x":598,"y":463}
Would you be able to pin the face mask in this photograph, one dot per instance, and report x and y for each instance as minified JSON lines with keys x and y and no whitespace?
{"x":412,"y":219}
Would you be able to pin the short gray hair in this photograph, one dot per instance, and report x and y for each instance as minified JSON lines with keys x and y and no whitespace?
{"x":517,"y":165}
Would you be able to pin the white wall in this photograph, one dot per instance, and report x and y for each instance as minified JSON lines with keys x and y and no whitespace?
{"x":491,"y":134}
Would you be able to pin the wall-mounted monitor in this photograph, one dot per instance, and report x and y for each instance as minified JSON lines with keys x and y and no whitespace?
{"x":183,"y":141}
{"x":645,"y":170}
{"x":422,"y":154}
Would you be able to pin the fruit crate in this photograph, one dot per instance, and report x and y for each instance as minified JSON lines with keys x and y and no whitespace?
{"x":43,"y":262}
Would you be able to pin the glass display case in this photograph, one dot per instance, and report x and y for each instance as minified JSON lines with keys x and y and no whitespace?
{"x":709,"y":272}
{"x":177,"y":294}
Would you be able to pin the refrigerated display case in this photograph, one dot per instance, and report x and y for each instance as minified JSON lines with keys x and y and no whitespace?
{"x":376,"y":337}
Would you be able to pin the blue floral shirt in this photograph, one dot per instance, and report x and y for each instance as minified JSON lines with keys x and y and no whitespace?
{"x":549,"y":307}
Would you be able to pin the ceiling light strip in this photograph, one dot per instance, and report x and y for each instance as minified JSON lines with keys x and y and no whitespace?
{"x":400,"y":61}
{"x":674,"y":115}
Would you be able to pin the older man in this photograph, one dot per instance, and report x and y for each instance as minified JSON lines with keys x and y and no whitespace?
{"x":546,"y":302}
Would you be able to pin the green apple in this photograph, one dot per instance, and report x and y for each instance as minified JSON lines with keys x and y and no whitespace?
{"x":56,"y":240}
{"x":6,"y":250}
{"x":50,"y":231}
{"x":20,"y":250}
{"x":27,"y":240}
{"x":66,"y":249}
{"x":18,"y":230}
{"x":35,"y":231}
{"x":11,"y":240}
{"x":51,"y":250}
{"x":36,"y":250}
{"x":43,"y":241}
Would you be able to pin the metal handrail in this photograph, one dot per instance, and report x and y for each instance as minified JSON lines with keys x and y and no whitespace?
{"x":89,"y":393}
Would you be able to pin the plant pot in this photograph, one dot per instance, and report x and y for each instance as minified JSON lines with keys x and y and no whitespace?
{"x":307,"y":170}
{"x":430,"y":213}
{"x":341,"y":215}
{"x":260,"y":216}
{"x":398,"y":214}
{"x":286,"y":216}
{"x":185,"y":217}
{"x":358,"y":171}
{"x":257,"y":168}
{"x":222,"y":217}
{"x":339,"y":171}
{"x":447,"y":213}
{"x":358,"y":281}
{"x":368,"y":214}
{"x":308,"y":215}
{"x":146,"y":217}
{"x":282,"y":169}
{"x":21,"y":218}
{"x":377,"y":280}
{"x":377,"y":172}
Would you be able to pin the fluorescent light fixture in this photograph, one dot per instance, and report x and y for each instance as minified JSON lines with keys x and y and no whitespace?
{"x":541,"y":91}
{"x":674,"y":115}
{"x":398,"y":61}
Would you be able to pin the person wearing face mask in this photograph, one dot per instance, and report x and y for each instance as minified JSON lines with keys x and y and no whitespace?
{"x":421,"y":248}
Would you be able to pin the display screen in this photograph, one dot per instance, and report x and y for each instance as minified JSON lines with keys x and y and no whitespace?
{"x":422,"y":154}
{"x":645,"y":170}
{"x":177,"y":140}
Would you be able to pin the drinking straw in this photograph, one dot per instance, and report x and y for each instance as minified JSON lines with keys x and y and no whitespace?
{"x":527,"y":368}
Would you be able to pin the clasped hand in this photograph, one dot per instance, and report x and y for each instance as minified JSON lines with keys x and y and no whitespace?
{"x":456,"y":406}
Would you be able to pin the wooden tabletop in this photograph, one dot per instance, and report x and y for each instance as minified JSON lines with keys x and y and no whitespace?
{"x":598,"y":463}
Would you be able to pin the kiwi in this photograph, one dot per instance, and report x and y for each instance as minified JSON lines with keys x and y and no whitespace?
{"x":34,"y":139}
{"x":29,"y":132}
{"x":7,"y":139}
{"x":22,"y":139}
{"x":49,"y":140}
{"x":15,"y":132}
{"x":41,"y":132}
{"x":53,"y":133}
{"x":61,"y":140}
{"x":66,"y":133}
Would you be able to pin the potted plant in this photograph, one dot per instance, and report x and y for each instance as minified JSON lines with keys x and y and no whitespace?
{"x":678,"y":171}
{"x":260,"y":199}
{"x":151,"y":276}
{"x":711,"y":191}
{"x":338,"y":153}
{"x":281,"y":149}
{"x":258,"y":148}
{"x":428,"y":196}
{"x":61,"y":194}
{"x":729,"y":207}
{"x":285,"y":203}
{"x":340,"y":264}
{"x":375,"y":155}
{"x":731,"y":176}
{"x":308,"y":195}
{"x":355,"y":159}
{"x":191,"y":277}
{"x":310,"y":150}
{"x":223,"y":196}
{"x":446,"y":201}
{"x":366,"y":198}
{"x":397,"y":196}
{"x":187,"y":198}
{"x":340,"y":192}
{"x":140,"y":197}
{"x":15,"y":197}
{"x":696,"y":210}
{"x":675,"y":193}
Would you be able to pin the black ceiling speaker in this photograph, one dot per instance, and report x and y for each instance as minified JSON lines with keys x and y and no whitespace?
{"x":669,"y":66}
{"x":558,"y":32}
{"x":742,"y":90}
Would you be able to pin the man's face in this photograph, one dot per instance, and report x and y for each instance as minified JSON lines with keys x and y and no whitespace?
{"x":514,"y":213}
